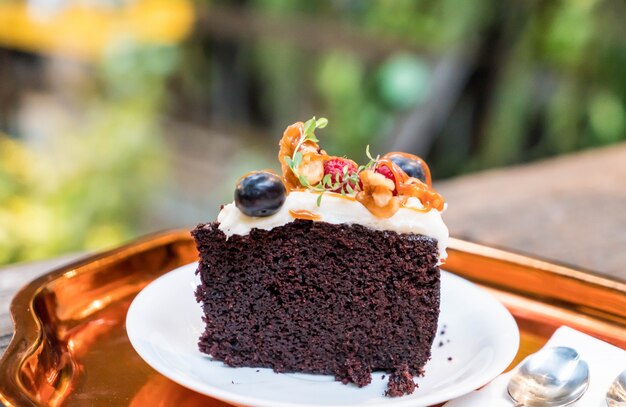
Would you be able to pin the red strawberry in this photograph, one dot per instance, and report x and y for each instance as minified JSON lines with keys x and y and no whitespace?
{"x":337,"y":164}
{"x":335,"y":167}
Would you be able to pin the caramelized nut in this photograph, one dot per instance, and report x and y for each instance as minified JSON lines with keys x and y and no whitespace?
{"x":377,"y":194}
{"x":312,"y":168}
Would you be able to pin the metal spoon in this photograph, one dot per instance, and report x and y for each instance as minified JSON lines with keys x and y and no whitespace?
{"x":549,"y":378}
{"x":616,"y":396}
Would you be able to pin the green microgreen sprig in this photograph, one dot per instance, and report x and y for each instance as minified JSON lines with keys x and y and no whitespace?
{"x":306,"y":134}
{"x":347,"y":183}
{"x":344,"y":183}
{"x":372,"y":161}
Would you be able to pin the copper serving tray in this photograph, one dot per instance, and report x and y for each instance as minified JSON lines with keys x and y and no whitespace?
{"x":70,"y":346}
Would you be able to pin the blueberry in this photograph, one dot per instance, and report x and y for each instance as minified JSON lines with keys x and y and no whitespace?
{"x":260,"y":194}
{"x":411,"y":167}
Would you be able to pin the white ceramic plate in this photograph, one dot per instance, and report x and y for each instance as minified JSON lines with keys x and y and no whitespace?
{"x":164,"y":324}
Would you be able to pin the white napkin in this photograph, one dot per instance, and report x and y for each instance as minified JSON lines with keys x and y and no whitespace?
{"x":605,"y":363}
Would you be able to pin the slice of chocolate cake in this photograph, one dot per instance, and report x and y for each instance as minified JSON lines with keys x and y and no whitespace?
{"x":329,"y":269}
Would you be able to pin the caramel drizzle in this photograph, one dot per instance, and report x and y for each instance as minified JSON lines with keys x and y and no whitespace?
{"x":304,"y":214}
{"x":287,"y":147}
{"x":412,"y":187}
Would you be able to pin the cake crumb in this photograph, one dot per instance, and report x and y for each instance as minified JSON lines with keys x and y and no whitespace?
{"x":257,"y":370}
{"x":400,"y":382}
{"x":383,"y":378}
{"x":357,"y":372}
{"x":440,"y":344}
{"x":449,"y":358}
{"x":421,"y":372}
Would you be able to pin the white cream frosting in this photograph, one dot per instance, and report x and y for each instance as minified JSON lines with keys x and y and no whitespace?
{"x":336,"y":209}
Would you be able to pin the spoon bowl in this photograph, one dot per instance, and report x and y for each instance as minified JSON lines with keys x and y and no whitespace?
{"x":616,"y":396}
{"x":552,"y":377}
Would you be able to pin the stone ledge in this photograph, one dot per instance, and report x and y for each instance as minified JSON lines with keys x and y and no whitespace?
{"x":570,"y":209}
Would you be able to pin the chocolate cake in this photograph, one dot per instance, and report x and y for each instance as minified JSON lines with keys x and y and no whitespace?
{"x":334,"y":277}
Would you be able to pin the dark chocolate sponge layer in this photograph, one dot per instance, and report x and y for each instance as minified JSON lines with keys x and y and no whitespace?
{"x":319,"y":298}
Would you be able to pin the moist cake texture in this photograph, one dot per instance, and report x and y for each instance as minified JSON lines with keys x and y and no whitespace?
{"x":319,"y":298}
{"x":328,"y":268}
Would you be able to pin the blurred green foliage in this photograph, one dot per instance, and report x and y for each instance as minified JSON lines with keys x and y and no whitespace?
{"x":86,"y":187}
{"x":553,"y":76}
{"x":543,"y":77}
